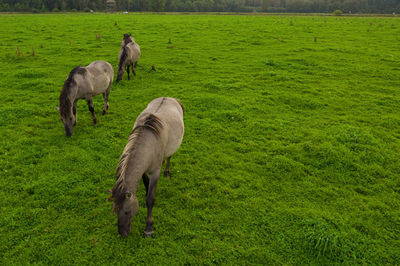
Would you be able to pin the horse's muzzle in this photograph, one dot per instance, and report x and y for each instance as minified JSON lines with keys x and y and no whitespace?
{"x":123,"y":233}
{"x":68,"y":131}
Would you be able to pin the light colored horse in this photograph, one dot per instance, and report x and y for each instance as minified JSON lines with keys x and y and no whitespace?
{"x":128,"y":57}
{"x":156,"y":135}
{"x":83,"y":83}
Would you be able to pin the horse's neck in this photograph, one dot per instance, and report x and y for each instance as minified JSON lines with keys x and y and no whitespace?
{"x":68,"y":101}
{"x":145,"y":153}
{"x":72,"y":93}
{"x":137,"y":165}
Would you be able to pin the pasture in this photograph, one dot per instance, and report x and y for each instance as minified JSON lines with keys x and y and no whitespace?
{"x":290,"y":154}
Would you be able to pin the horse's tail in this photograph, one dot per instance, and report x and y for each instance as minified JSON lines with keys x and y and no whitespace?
{"x":123,"y":57}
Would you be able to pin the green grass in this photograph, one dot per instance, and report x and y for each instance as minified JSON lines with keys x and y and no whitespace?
{"x":290,"y":154}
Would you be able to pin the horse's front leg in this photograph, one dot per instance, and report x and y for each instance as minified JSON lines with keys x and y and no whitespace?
{"x":146,"y":182}
{"x":74,"y":111}
{"x":127,"y":70}
{"x":166,"y":171}
{"x":150,"y":202}
{"x":105,"y":96}
{"x":91,"y":109}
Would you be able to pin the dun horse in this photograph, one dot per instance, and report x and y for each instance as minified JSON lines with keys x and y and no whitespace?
{"x":156,"y":135}
{"x":128,"y":56}
{"x":83,"y":83}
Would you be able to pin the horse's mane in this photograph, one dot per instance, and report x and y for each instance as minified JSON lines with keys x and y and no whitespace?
{"x":154,"y":125}
{"x":65,"y":103}
{"x":127,"y":38}
{"x":123,"y":57}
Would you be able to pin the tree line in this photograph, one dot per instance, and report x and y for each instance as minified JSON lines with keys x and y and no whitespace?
{"x":303,"y":6}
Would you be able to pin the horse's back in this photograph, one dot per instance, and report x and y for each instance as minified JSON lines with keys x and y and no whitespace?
{"x":102,"y":67}
{"x":101,"y":70}
{"x":99,"y":77}
{"x":170,"y":112}
{"x":134,"y":49}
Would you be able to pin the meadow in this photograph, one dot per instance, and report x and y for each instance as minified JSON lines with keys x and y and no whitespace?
{"x":290,"y":154}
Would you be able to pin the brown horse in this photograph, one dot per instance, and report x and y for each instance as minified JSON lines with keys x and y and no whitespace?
{"x":156,"y":135}
{"x":83,"y":83}
{"x":128,"y":56}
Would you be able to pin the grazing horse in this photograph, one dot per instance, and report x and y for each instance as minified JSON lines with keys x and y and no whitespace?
{"x":128,"y":57}
{"x":83,"y":83}
{"x":156,"y":135}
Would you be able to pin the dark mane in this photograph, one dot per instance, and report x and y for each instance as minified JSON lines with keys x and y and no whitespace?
{"x":127,"y":38}
{"x":152,"y":123}
{"x":119,"y":190}
{"x":123,"y":57}
{"x":65,"y":103}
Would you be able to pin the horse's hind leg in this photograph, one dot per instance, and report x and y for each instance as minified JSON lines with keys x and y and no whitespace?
{"x":150,"y":202}
{"x":91,"y":109}
{"x":105,"y":96}
{"x":166,"y":171}
{"x":134,"y":69}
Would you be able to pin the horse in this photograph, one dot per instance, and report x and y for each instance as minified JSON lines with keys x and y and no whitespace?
{"x":83,"y":83}
{"x":128,"y":57}
{"x":157,"y":134}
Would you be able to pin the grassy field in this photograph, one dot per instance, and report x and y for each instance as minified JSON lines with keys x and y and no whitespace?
{"x":290,"y":154}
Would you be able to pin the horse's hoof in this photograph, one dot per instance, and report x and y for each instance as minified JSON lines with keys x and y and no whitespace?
{"x":166,"y":174}
{"x":148,"y":234}
{"x":94,"y":121}
{"x":104,"y":112}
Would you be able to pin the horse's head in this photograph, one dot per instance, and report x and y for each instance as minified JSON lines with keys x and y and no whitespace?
{"x":128,"y":209}
{"x":120,"y":71}
{"x":128,"y":38}
{"x":68,"y":119}
{"x":66,"y":110}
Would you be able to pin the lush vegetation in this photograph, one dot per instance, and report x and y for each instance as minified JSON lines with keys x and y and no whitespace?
{"x":290,"y":154}
{"x":348,"y":6}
